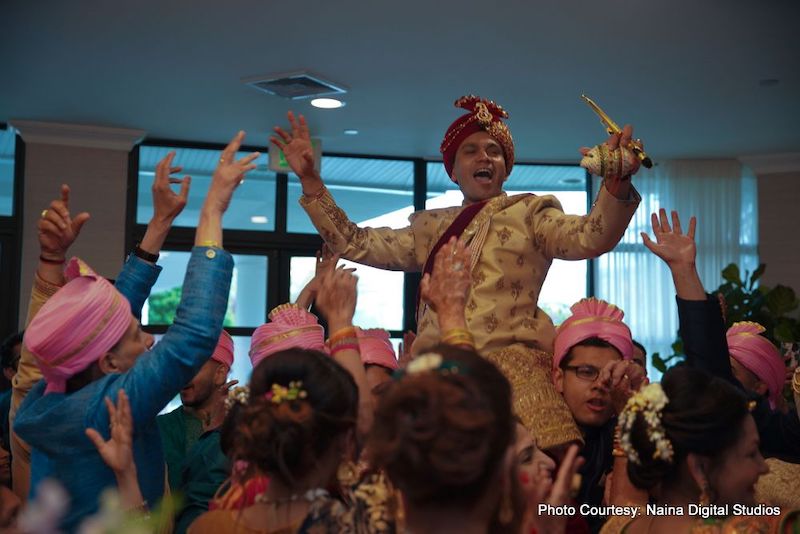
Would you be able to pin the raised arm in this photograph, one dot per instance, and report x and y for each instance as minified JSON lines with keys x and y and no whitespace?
{"x":57,"y":230}
{"x":702,"y":327}
{"x":384,"y":248}
{"x":140,"y":272}
{"x":337,"y":303}
{"x":572,"y":237}
{"x":158,"y":376}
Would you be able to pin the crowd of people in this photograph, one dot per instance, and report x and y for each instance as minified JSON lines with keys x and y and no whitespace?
{"x":491,"y":418}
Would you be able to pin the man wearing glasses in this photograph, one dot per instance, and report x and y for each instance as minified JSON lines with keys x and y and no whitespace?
{"x":594,"y":372}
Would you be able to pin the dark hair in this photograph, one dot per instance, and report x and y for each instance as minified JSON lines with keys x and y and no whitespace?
{"x":589,"y":342}
{"x":441,"y":436}
{"x":703,"y":415}
{"x":286,"y":438}
{"x":7,"y":356}
{"x":640,"y":347}
{"x":8,"y":360}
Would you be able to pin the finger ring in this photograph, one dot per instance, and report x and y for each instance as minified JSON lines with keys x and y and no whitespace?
{"x":458,"y":266}
{"x":222,"y":160}
{"x":44,"y":213}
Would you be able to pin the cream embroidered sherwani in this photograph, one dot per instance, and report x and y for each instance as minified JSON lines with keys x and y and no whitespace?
{"x":514,"y":240}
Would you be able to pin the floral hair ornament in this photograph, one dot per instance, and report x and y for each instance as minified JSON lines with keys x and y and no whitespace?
{"x":650,"y":402}
{"x":430,"y":361}
{"x":279,"y":393}
{"x":237,"y":395}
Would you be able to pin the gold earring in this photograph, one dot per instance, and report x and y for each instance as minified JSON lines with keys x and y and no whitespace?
{"x":347,"y":473}
{"x":705,"y":498}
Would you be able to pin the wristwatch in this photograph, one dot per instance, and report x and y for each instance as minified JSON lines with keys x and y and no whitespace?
{"x":146,"y":256}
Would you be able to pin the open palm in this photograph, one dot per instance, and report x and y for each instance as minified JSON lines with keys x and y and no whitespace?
{"x":297,"y":147}
{"x":671,"y":244}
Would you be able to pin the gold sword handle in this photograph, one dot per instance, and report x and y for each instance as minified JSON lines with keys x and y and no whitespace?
{"x":635,"y":145}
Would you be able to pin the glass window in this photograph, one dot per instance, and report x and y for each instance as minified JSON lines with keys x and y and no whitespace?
{"x":247,"y":301}
{"x":253,"y":204}
{"x":380,"y":292}
{"x":240,"y":370}
{"x":372,"y":192}
{"x":7,"y":145}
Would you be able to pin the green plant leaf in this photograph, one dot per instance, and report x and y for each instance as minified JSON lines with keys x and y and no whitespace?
{"x":658,"y":363}
{"x":784,"y":332}
{"x":781,"y":300}
{"x":757,"y":273}
{"x":732,"y":275}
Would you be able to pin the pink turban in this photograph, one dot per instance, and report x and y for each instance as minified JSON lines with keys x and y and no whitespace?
{"x":758,"y":355}
{"x":77,"y":325}
{"x":223,"y":353}
{"x":593,"y":318}
{"x":289,"y":326}
{"x":375,"y":348}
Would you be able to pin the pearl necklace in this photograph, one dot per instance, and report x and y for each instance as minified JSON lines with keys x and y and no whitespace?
{"x":309,"y":496}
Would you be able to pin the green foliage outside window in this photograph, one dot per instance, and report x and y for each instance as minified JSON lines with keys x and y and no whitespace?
{"x":164,"y":304}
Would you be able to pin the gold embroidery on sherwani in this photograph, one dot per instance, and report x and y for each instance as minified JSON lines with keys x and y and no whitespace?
{"x":514,"y":308}
{"x":596,"y":224}
{"x":491,"y":323}
{"x":503,"y":235}
{"x":516,"y":289}
{"x":500,"y":284}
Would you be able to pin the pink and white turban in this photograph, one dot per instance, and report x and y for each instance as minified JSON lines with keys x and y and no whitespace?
{"x":289,"y":326}
{"x":375,"y":348}
{"x":223,"y":352}
{"x":758,"y":355}
{"x":77,"y":325}
{"x":593,"y":318}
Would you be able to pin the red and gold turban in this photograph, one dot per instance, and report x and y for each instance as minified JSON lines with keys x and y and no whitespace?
{"x":484,"y":115}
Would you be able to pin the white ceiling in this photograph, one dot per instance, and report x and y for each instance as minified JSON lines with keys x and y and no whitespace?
{"x":686,"y":73}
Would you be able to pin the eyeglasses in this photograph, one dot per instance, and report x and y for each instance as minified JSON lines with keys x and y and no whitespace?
{"x":584,"y":372}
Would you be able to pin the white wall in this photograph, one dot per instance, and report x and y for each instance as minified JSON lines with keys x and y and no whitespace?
{"x":93,"y":161}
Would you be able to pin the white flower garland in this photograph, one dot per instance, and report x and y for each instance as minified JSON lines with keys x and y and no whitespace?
{"x":650,"y":401}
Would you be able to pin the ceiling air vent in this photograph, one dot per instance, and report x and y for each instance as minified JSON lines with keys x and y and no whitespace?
{"x":295,"y":85}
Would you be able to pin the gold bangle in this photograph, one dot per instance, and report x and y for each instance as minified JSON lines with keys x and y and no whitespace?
{"x":210,"y":243}
{"x":347,"y":331}
{"x":453,"y":331}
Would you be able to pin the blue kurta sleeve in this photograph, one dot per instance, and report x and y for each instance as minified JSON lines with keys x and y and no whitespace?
{"x":158,"y":375}
{"x":135,"y":282}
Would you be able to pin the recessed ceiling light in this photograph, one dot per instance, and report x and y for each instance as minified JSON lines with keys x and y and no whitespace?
{"x":327,"y":103}
{"x":351,"y":132}
{"x":259,"y":219}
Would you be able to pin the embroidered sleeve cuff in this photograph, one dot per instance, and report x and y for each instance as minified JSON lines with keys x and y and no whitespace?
{"x":43,"y":287}
{"x":308,"y":200}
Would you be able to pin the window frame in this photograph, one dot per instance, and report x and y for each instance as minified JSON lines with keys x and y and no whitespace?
{"x":11,"y":242}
